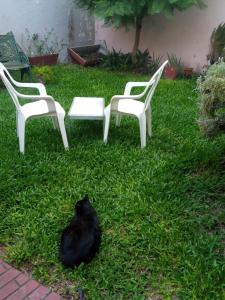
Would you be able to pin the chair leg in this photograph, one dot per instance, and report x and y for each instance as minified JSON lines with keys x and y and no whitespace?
{"x":63,"y":131}
{"x":55,"y":123}
{"x":21,"y":133}
{"x":29,"y":73}
{"x":106,"y":123}
{"x":22,"y":72}
{"x":149,"y":121}
{"x":118,"y":120}
{"x":26,"y":70}
{"x":103,"y":127}
{"x":17,"y":126}
{"x":142,"y":124}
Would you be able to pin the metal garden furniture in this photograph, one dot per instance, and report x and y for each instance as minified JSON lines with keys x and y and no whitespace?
{"x":41,"y":105}
{"x":130,"y":105}
{"x":12,"y":56}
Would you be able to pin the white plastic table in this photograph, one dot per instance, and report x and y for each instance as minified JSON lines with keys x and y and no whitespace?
{"x":87,"y":108}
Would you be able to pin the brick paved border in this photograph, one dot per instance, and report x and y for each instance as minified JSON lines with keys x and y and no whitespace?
{"x":15,"y":285}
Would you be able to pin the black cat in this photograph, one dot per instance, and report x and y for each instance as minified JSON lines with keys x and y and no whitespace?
{"x":80,"y":240}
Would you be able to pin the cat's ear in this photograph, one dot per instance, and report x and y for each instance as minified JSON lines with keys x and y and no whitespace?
{"x":86,"y":197}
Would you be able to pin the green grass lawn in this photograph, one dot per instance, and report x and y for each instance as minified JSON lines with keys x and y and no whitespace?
{"x":161,"y":208}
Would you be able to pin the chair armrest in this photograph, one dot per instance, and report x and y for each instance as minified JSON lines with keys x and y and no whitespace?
{"x":130,"y":85}
{"x":41,"y":88}
{"x":115,"y":100}
{"x":49,"y":99}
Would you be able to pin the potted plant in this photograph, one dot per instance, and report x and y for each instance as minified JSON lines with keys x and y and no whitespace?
{"x":42,"y":50}
{"x":174,"y":67}
{"x":188,"y":71}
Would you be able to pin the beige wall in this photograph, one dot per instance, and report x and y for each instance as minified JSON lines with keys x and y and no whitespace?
{"x":187,"y":34}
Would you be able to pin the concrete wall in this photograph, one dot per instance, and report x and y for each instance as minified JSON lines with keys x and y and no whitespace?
{"x":81,"y":28}
{"x":187,"y":34}
{"x":40,"y":16}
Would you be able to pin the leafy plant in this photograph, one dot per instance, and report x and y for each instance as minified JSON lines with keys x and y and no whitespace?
{"x":145,"y":63}
{"x":45,"y":74}
{"x":36,"y":44}
{"x":143,"y":58}
{"x":155,"y":63}
{"x":217,"y":43}
{"x":116,"y":60}
{"x":217,"y":71}
{"x":131,"y":13}
{"x":212,"y":100}
{"x":176,"y":63}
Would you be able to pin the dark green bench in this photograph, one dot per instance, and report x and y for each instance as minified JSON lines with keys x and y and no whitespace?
{"x":12,"y":56}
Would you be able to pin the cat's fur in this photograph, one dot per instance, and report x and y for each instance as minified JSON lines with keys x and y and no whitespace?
{"x":80,"y":240}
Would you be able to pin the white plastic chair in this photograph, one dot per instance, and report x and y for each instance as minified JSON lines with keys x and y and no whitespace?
{"x":42,"y":105}
{"x":129,"y":105}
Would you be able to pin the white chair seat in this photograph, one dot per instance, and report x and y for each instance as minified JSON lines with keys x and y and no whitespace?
{"x":39,"y":108}
{"x":130,"y":106}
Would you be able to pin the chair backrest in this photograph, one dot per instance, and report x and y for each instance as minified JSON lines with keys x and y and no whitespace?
{"x":11,"y":53}
{"x":150,"y":88}
{"x":8,"y":82}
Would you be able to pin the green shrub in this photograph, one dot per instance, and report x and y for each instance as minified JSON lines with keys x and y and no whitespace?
{"x":176,"y":63}
{"x":211,"y":90}
{"x":45,"y":74}
{"x":208,"y":127}
{"x":145,"y":63}
{"x":155,"y":63}
{"x":217,"y":70}
{"x":116,"y":60}
{"x":217,"y":43}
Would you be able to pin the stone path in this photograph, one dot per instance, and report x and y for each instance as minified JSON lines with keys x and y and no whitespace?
{"x":15,"y":285}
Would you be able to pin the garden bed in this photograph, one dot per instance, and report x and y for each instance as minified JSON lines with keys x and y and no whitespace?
{"x":86,"y":55}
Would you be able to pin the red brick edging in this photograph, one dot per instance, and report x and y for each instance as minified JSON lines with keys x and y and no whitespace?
{"x":15,"y":285}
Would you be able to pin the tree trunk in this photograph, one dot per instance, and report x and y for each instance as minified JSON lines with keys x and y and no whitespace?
{"x":138,"y":27}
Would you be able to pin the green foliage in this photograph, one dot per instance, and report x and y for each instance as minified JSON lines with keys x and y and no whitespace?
{"x":161,"y":208}
{"x":216,"y":70}
{"x":155,"y":63}
{"x":212,"y":100}
{"x":176,"y":63}
{"x":117,"y":60}
{"x":217,"y":43}
{"x":145,"y":63}
{"x":143,"y":58}
{"x":45,"y":74}
{"x":132,"y":12}
{"x":128,"y":12}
